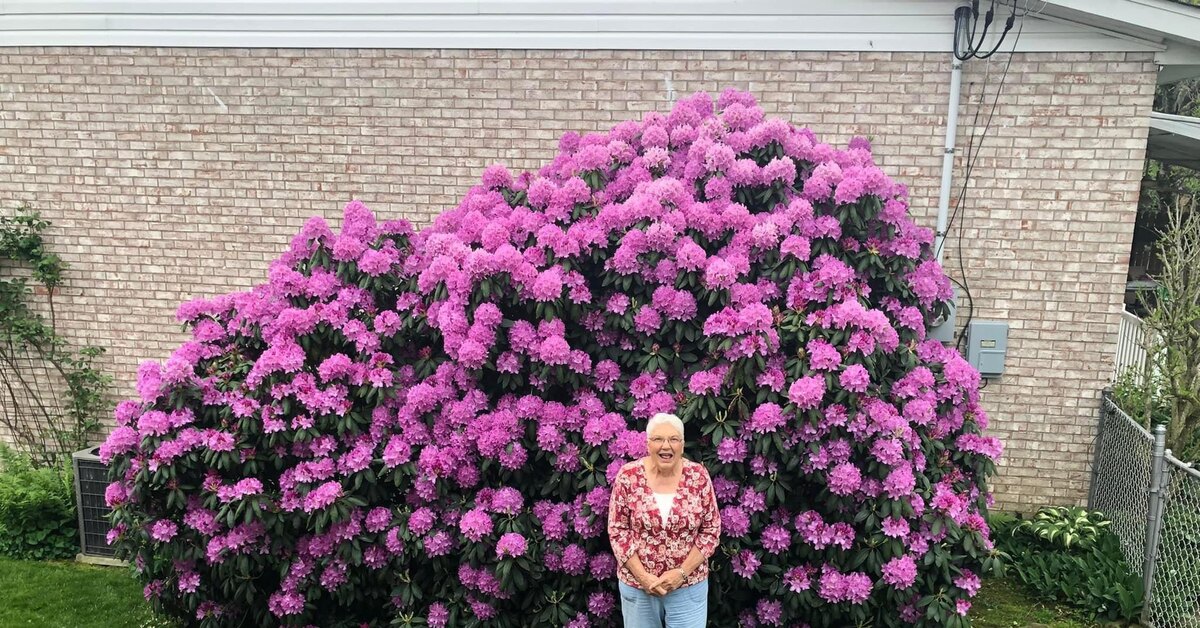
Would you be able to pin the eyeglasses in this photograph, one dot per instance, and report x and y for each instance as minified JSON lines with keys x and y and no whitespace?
{"x":658,"y":440}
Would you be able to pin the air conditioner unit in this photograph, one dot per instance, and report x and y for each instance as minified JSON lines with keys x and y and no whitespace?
{"x":91,"y":478}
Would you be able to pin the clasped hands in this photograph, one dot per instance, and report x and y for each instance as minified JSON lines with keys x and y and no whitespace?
{"x":670,"y":580}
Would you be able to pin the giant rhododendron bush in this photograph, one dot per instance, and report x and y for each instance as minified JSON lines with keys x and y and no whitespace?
{"x":419,"y":428}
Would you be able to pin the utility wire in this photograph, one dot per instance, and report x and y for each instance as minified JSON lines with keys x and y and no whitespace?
{"x":973,"y":48}
{"x":972,"y":157}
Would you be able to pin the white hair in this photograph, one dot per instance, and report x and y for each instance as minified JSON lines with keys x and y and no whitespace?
{"x":664,"y":418}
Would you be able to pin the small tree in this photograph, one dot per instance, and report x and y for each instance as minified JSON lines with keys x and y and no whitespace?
{"x":1173,"y":324}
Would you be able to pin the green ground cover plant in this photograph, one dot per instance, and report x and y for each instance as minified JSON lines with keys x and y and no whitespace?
{"x":1069,"y":555}
{"x":37,"y":509}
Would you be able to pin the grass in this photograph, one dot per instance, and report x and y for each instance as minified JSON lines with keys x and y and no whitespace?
{"x":68,"y":595}
{"x":1003,"y":603}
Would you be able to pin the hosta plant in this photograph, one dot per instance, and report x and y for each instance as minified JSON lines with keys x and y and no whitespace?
{"x":1071,"y":555}
{"x":1065,"y":526}
{"x":419,"y":428}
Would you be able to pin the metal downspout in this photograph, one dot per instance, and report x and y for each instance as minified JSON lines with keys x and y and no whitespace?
{"x":943,"y":214}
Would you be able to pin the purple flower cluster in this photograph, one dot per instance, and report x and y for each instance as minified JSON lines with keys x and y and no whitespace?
{"x":511,"y":545}
{"x":399,"y":412}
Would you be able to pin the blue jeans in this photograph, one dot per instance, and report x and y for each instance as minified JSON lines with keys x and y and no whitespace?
{"x":686,"y":607}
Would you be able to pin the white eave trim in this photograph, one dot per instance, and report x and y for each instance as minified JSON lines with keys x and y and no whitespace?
{"x":793,"y":25}
{"x":1174,"y":140}
{"x":1168,"y":20}
{"x":833,"y":42}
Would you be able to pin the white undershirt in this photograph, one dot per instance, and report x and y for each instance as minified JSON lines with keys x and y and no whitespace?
{"x":665,"y":501}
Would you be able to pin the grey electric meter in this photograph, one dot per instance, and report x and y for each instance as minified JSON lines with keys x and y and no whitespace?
{"x":987,"y":344}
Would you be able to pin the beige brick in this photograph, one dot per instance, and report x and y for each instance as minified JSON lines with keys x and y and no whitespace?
{"x":173,"y":173}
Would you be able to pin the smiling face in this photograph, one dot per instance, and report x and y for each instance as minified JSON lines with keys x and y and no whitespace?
{"x":665,"y":445}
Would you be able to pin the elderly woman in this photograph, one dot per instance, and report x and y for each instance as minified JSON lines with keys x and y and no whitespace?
{"x":663,"y":524}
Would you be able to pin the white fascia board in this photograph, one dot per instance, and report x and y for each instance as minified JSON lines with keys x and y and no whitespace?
{"x":1175,"y":73}
{"x":1166,"y":19}
{"x":1181,"y":125}
{"x":1178,"y":62}
{"x":476,"y":7}
{"x":831,"y":42}
{"x":1174,"y":139}
{"x":769,"y":25}
{"x":1178,"y":54}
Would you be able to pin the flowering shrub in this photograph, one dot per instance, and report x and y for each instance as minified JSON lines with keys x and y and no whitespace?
{"x":420,"y":428}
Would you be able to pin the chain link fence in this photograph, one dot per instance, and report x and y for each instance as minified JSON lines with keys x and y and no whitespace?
{"x":1175,"y":599}
{"x":1153,"y":500}
{"x":1121,"y":478}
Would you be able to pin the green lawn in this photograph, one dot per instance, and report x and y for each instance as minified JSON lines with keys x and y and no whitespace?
{"x":1005,"y":604}
{"x":69,"y":595}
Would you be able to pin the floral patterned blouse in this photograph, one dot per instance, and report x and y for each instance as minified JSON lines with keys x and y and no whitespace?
{"x":636,"y":527}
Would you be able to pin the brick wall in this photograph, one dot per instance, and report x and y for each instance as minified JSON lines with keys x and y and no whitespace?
{"x":172,"y":173}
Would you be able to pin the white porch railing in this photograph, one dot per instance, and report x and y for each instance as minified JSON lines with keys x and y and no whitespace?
{"x":1131,"y":353}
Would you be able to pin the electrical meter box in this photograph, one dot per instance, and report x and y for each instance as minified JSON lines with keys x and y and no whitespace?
{"x":941,"y":329}
{"x":987,"y":344}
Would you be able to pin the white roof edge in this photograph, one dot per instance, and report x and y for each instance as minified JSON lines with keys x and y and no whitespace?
{"x":799,"y":25}
{"x":578,"y":40}
{"x":1170,"y":20}
{"x":1170,"y":117}
{"x":1174,"y":139}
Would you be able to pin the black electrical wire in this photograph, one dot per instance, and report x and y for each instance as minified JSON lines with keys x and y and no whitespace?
{"x":972,"y":157}
{"x":961,"y":28}
{"x":987,"y":24}
{"x":1008,"y":24}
